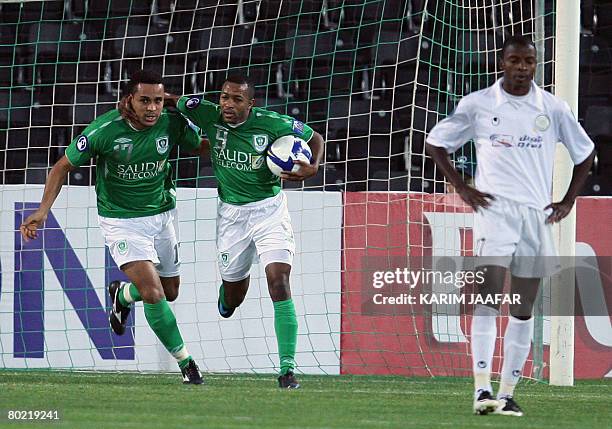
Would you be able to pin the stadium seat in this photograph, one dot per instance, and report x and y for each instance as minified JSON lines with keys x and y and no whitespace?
{"x":14,"y":173}
{"x":55,"y":41}
{"x":41,"y":144}
{"x":356,"y":175}
{"x":82,"y":176}
{"x":136,"y":41}
{"x":595,"y":54}
{"x":206,"y":177}
{"x":15,"y":108}
{"x":603,"y":145}
{"x":603,"y":20}
{"x":597,"y":121}
{"x":84,"y":113}
{"x":595,"y":85}
{"x":598,"y":185}
{"x":186,"y":172}
{"x":117,"y":8}
{"x":36,"y":173}
{"x":383,"y":179}
{"x":216,"y":51}
{"x":92,"y":34}
{"x":8,"y":75}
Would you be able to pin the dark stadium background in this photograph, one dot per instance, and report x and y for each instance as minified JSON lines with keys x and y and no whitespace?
{"x":60,"y":64}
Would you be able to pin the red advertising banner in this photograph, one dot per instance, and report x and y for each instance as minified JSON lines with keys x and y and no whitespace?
{"x":417,"y":341}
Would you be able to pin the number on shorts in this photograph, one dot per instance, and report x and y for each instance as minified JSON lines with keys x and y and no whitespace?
{"x":176,"y":254}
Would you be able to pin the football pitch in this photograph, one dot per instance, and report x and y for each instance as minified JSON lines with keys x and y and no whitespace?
{"x":120,"y":400}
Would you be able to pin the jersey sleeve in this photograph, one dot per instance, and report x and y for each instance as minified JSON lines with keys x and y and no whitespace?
{"x":291,"y":126}
{"x":187,"y":134}
{"x":572,"y":135}
{"x":84,"y":146}
{"x":455,"y":130}
{"x":199,"y":111}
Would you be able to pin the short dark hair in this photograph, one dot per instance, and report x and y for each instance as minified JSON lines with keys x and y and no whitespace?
{"x":242,"y":79}
{"x":517,"y":40}
{"x":143,"y":76}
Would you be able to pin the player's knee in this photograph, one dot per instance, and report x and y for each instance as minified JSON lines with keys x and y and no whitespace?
{"x":233,"y":298}
{"x":279,"y":288}
{"x":521,"y":312}
{"x":172,"y":294}
{"x":171,"y":287}
{"x":152,"y":295}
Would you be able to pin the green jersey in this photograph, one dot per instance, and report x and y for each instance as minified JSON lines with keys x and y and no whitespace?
{"x":133,"y":175}
{"x":238,"y":152}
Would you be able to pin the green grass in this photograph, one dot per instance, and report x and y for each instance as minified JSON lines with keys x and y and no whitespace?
{"x":121,"y":400}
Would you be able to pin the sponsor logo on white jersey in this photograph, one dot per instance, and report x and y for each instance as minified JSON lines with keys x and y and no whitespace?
{"x":502,"y":140}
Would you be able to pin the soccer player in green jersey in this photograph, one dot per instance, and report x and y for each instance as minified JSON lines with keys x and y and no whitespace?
{"x":252,"y":216}
{"x":136,"y":199}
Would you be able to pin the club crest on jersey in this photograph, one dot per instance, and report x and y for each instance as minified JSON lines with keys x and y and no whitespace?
{"x":192,"y":103}
{"x":162,"y":144}
{"x":542,"y":122}
{"x":82,"y":143}
{"x":260,"y":142}
{"x":298,"y":127}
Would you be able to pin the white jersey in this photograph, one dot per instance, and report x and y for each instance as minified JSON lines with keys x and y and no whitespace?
{"x":515,"y":139}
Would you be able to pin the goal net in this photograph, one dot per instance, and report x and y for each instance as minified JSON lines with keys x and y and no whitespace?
{"x":371,"y":76}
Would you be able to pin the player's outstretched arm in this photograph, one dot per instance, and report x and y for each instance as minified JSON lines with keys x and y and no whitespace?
{"x":472,"y":196}
{"x":307,"y":170}
{"x":579,"y":176}
{"x":53,"y":185}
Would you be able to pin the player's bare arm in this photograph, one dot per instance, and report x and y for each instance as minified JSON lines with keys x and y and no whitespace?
{"x":579,"y":175}
{"x":53,"y":186}
{"x":472,"y":196}
{"x":307,"y":170}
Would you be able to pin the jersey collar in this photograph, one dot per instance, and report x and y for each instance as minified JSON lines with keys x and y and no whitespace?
{"x":534,"y":98}
{"x":248,"y":119}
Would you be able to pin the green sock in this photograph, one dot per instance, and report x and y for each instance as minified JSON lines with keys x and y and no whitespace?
{"x":161,"y":319}
{"x":129,"y":294}
{"x":222,"y":297}
{"x":285,"y":325}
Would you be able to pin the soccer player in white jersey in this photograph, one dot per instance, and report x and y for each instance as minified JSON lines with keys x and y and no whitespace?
{"x":515,"y":126}
{"x":136,"y":198}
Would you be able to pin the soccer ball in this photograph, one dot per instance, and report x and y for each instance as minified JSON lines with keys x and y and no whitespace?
{"x":283,"y":151}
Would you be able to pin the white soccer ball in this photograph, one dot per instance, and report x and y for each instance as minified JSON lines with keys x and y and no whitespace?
{"x":284,"y":150}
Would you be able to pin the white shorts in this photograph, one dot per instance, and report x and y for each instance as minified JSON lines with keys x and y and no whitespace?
{"x":515,"y":236}
{"x":148,"y":238}
{"x":250,"y":229}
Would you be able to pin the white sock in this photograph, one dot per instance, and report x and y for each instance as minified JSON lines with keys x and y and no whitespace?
{"x":482,"y":343}
{"x":517,"y":343}
{"x":125,"y":290}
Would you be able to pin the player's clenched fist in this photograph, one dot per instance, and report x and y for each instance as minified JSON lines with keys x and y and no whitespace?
{"x":29,"y":228}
